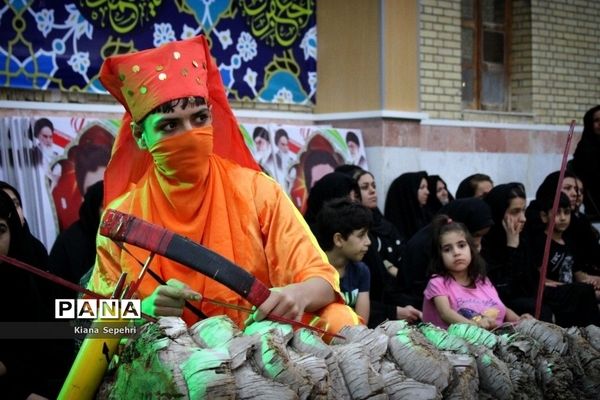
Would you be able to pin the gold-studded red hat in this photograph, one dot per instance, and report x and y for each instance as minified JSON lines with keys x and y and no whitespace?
{"x":144,"y":80}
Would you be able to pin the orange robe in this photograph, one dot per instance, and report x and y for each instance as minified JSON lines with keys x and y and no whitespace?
{"x":241,"y":214}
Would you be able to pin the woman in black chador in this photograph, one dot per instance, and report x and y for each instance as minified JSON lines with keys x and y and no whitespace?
{"x":506,"y":253}
{"x":38,"y":253}
{"x":405,"y":203}
{"x":439,"y":195}
{"x":586,"y":161}
{"x":23,"y":363}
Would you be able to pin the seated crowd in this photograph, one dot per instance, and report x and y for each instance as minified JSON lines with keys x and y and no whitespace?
{"x":435,"y":258}
{"x":475,"y":257}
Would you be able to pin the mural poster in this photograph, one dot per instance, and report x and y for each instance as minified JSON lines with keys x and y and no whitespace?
{"x":52,"y":161}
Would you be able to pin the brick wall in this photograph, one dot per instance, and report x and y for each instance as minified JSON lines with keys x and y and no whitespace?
{"x":440,"y":70}
{"x":555,"y":60}
{"x":565,"y":59}
{"x":521,"y":80}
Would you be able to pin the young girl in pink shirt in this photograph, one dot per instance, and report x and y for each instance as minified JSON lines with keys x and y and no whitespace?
{"x":458,"y":290}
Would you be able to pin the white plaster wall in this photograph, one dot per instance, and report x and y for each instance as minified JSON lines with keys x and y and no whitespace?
{"x":530,"y":169}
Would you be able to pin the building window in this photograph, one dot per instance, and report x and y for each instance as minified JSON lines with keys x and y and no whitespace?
{"x":485,"y":54}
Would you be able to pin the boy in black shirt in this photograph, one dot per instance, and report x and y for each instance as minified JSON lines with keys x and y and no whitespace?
{"x":572,"y":302}
{"x":561,"y":261}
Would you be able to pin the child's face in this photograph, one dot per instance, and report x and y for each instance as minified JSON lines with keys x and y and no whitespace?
{"x":456,"y":253}
{"x":355,"y":246}
{"x":562,"y":220}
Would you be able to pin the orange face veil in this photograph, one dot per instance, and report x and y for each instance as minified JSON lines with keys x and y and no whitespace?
{"x":144,"y":80}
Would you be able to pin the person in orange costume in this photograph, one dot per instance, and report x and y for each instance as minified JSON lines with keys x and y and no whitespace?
{"x":179,"y":161}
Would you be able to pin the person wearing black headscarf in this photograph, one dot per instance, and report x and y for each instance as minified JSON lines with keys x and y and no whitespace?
{"x":439,"y":195}
{"x":586,"y":161}
{"x":337,"y":185}
{"x":476,"y":185}
{"x":573,"y":302}
{"x":580,"y":234}
{"x":74,"y":251}
{"x":349,"y":169}
{"x":414,"y":275}
{"x":331,"y":186}
{"x":24,"y":360}
{"x":382,"y":258}
{"x":505,"y":250}
{"x":405,"y":203}
{"x":39,"y":254}
{"x":534,"y":223}
{"x":385,"y":239}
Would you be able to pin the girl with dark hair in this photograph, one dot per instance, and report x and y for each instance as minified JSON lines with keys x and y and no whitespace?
{"x":586,"y":161}
{"x":405,"y":203}
{"x":439,"y":195}
{"x":413,"y":276}
{"x":459,"y":291}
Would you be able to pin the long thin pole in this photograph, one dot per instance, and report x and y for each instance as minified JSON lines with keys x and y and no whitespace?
{"x":51,"y":277}
{"x":544,"y":266}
